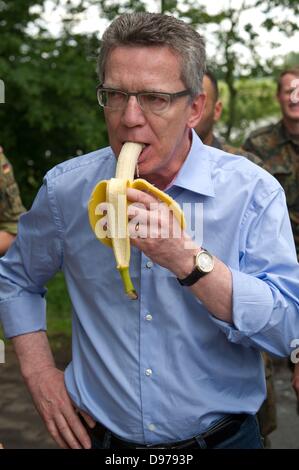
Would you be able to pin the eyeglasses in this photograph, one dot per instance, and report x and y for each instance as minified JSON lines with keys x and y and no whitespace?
{"x":148,"y":101}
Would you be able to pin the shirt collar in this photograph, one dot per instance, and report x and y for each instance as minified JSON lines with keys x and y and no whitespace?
{"x":195,"y":173}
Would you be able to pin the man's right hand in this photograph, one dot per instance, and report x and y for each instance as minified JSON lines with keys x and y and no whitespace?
{"x":56,"y":409}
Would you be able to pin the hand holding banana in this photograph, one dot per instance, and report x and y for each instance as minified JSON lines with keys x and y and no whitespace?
{"x":114,"y":193}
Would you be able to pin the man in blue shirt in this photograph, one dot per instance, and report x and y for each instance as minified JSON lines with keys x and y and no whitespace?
{"x":181,"y":366}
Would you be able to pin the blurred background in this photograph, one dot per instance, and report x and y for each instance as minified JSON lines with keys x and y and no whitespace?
{"x":49,"y":113}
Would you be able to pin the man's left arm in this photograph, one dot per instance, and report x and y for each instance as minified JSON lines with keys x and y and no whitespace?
{"x":258,"y":307}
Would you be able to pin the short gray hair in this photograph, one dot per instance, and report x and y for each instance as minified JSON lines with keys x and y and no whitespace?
{"x":156,"y":29}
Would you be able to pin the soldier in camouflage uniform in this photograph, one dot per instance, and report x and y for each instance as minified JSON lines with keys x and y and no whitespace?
{"x":211,"y":114}
{"x":278,"y":145}
{"x":10,"y":204}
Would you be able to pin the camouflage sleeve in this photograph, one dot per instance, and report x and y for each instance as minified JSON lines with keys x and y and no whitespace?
{"x":11,"y":206}
{"x":251,"y":147}
{"x":247,"y":154}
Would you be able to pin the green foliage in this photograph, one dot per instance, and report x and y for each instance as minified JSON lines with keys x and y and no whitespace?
{"x":50,"y":111}
{"x":113,"y":8}
{"x":58,"y":308}
{"x":291,"y":60}
{"x":256,"y":105}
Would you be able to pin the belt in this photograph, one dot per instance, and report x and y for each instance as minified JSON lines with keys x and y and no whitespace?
{"x":222,"y":430}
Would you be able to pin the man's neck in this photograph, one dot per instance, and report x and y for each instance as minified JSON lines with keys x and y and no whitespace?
{"x":163,"y":181}
{"x":208,"y":140}
{"x":291,"y":126}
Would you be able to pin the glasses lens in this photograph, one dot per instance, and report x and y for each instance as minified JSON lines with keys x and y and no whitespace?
{"x":112,"y":99}
{"x":154,"y":102}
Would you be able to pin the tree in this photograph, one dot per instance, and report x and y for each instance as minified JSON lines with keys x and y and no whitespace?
{"x":50,"y":111}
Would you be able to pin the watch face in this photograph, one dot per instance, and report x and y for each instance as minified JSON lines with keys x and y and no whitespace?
{"x":205,"y":262}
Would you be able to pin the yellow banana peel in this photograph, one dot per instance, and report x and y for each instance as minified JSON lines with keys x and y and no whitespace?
{"x":113,"y":192}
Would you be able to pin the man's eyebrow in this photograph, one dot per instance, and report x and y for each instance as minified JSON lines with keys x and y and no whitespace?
{"x":149,"y":90}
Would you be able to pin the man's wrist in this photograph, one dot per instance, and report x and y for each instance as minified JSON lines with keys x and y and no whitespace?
{"x":187,"y":263}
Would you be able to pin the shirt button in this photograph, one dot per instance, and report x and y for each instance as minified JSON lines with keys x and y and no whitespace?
{"x":148,"y":317}
{"x":149,"y":264}
{"x":152,"y":427}
{"x":148,"y":372}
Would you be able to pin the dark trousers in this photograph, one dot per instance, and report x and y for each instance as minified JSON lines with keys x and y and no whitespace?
{"x":246,"y":437}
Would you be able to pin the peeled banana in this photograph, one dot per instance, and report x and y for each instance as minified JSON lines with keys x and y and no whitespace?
{"x":114,"y":192}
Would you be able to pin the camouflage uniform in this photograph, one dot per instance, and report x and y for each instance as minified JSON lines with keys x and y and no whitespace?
{"x":280,"y":151}
{"x":11,"y":206}
{"x":239,"y":151}
{"x":267,"y":413}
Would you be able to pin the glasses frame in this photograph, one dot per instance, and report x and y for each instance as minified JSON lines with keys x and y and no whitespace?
{"x":171,"y":97}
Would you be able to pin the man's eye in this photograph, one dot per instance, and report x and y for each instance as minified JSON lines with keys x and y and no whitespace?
{"x":156,"y":98}
{"x":155,"y":101}
{"x":114,"y":95}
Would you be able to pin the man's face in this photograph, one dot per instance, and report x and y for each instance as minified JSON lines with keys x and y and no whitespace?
{"x":288,"y":97}
{"x":212,"y":110}
{"x":166,"y":136}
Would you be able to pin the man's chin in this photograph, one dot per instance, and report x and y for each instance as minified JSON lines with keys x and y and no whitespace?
{"x":293,"y":116}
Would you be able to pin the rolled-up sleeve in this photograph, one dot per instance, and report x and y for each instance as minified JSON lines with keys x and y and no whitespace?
{"x":266,"y":288}
{"x":33,"y":259}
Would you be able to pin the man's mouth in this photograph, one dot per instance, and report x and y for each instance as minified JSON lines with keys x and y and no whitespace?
{"x":144,"y":153}
{"x":144,"y":150}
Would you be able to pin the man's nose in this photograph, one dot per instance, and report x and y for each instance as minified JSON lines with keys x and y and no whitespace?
{"x":133,"y":115}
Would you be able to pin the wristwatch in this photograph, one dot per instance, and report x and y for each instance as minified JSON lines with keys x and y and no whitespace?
{"x":204,"y":264}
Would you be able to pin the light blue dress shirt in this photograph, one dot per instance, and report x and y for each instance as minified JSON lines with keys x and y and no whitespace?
{"x":161,"y":368}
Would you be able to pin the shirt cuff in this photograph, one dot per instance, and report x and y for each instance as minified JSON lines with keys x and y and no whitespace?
{"x":253,"y":304}
{"x":23,"y":314}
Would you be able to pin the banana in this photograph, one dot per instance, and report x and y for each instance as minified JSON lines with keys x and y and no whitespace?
{"x":113,"y":192}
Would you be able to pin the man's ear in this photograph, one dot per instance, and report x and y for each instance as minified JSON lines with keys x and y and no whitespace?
{"x":217,"y":110}
{"x":197,"y":106}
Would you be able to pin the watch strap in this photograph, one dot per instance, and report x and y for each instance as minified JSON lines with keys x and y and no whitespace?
{"x":192,"y":278}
